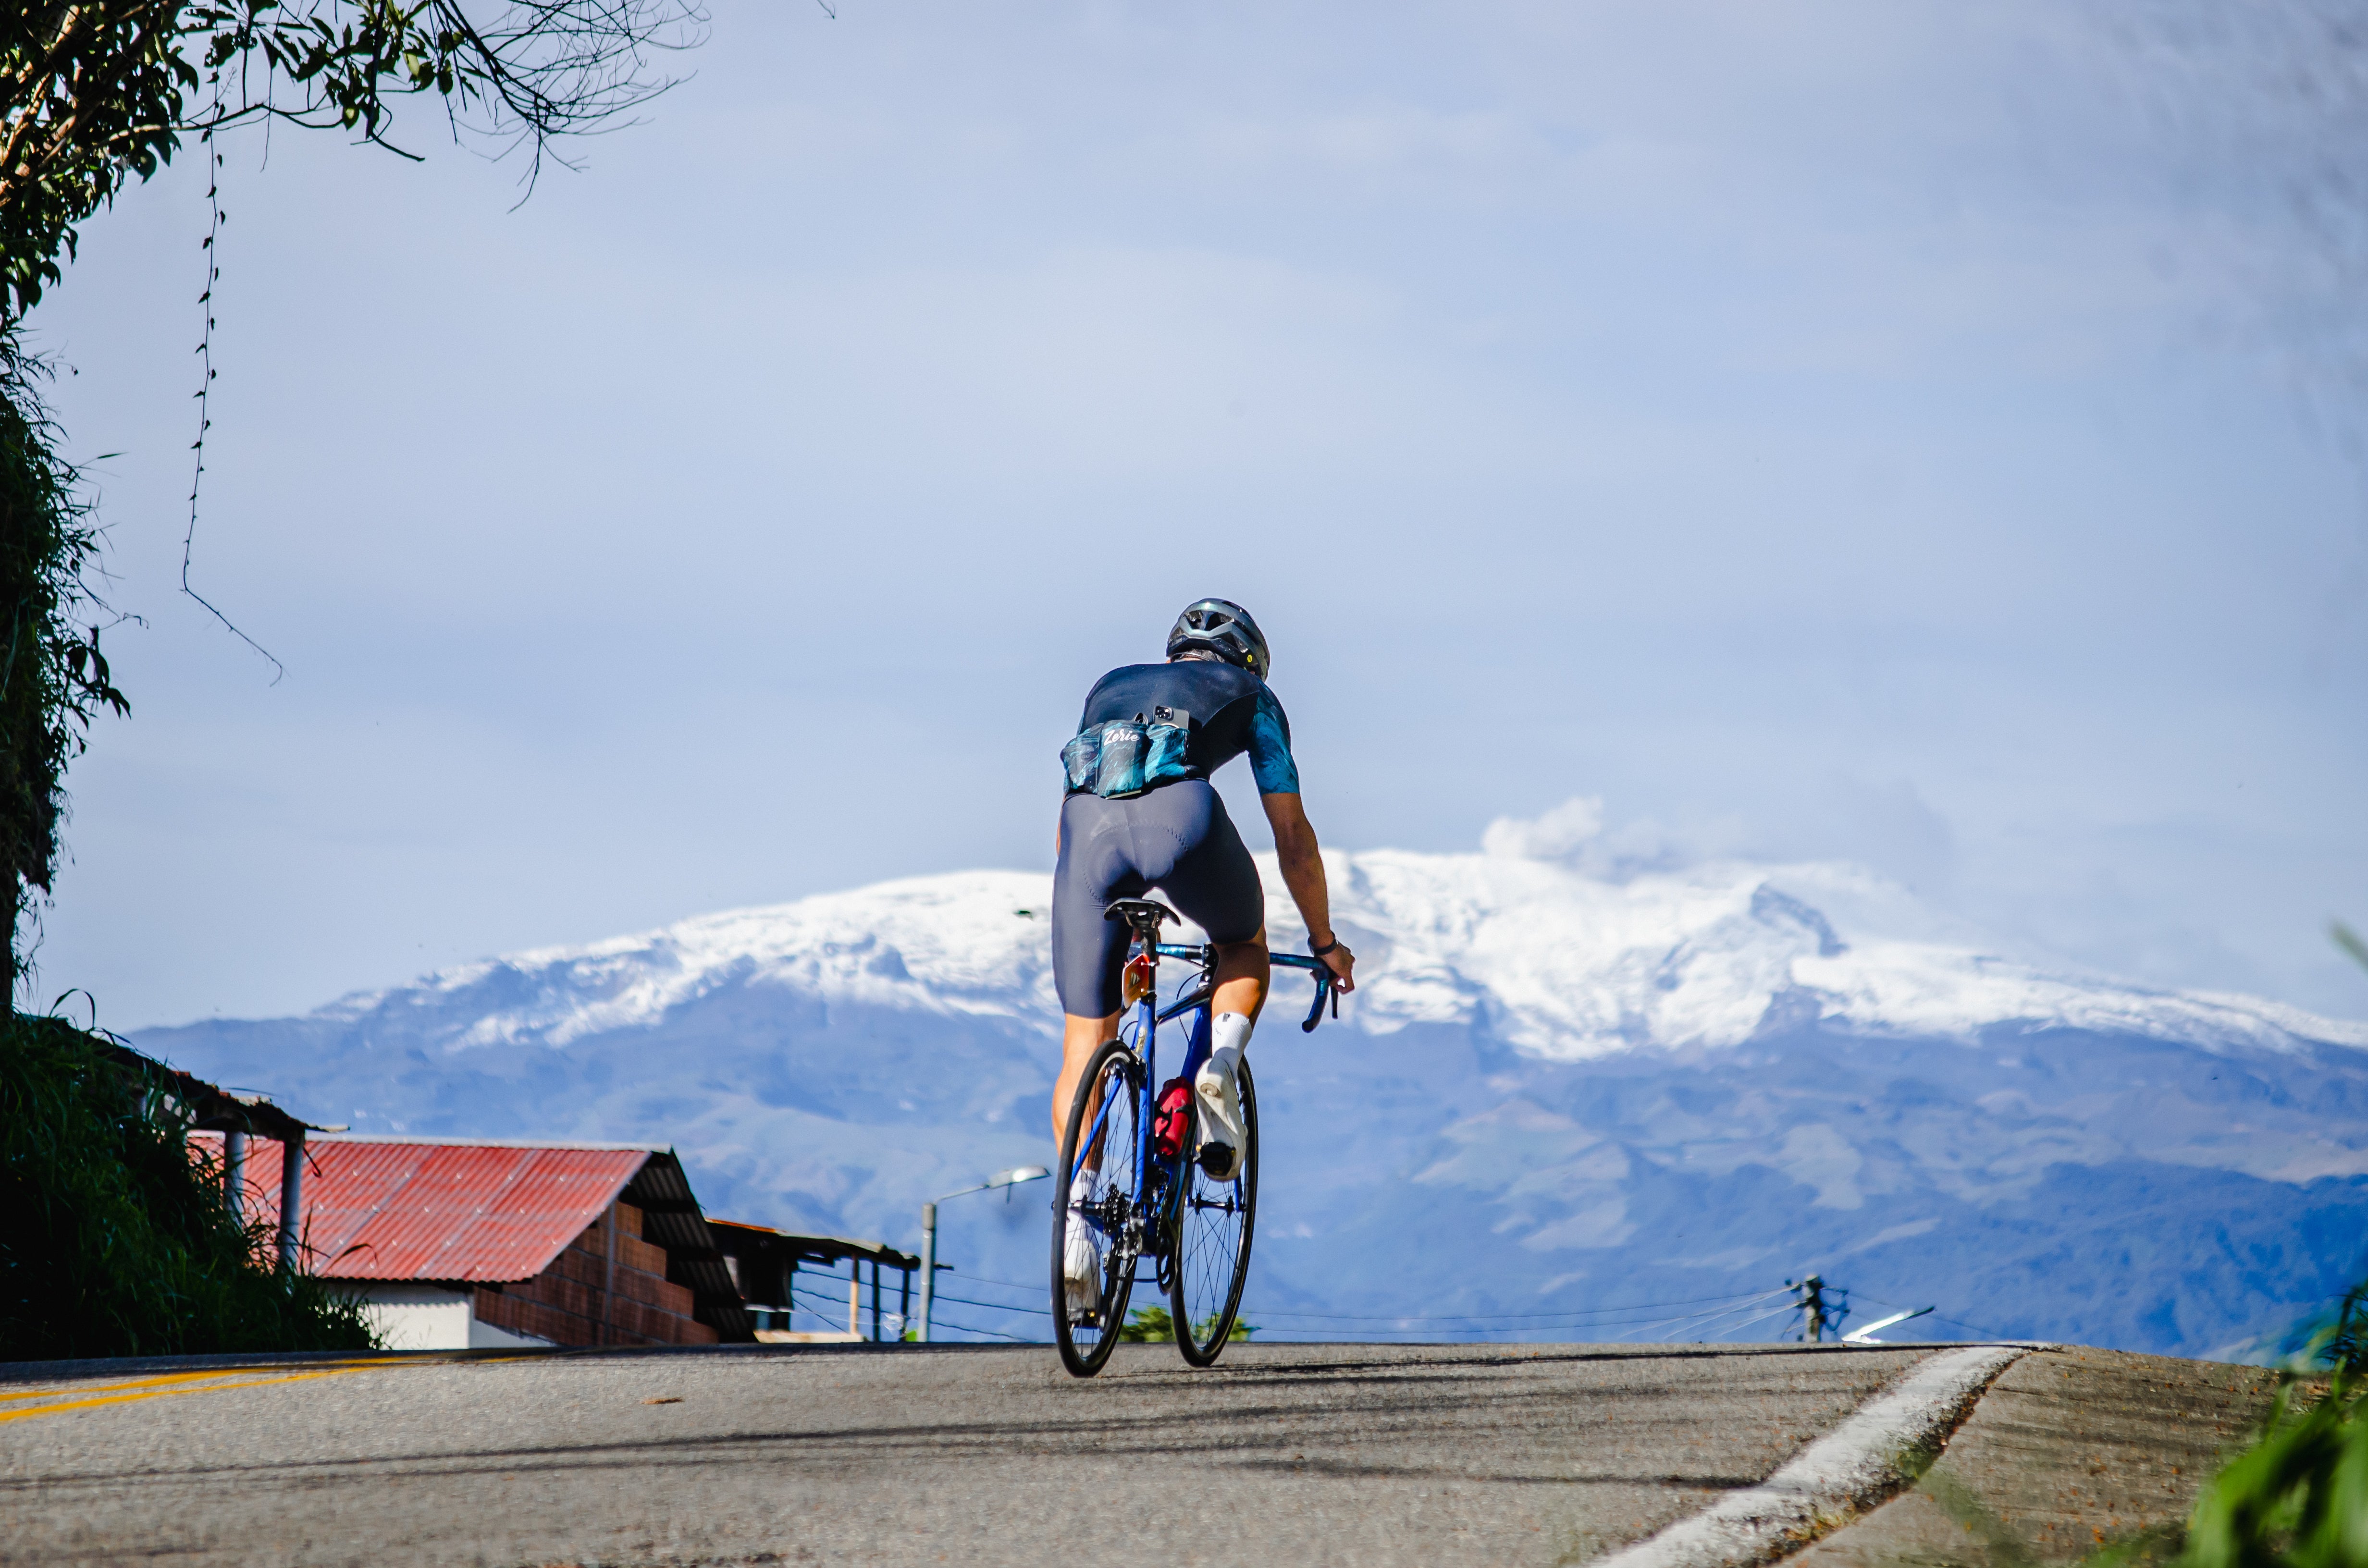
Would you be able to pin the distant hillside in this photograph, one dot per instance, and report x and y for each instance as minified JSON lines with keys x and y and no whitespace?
{"x":1555,"y":1091}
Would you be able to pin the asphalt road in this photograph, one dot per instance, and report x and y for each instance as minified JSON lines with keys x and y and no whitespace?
{"x":1297,"y":1455}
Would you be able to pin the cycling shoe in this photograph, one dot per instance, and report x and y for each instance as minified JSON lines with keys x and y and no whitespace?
{"x":1221,"y":1122}
{"x":1081,"y":1269}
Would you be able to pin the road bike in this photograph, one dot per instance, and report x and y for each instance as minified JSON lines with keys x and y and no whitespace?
{"x":1149,"y":1196}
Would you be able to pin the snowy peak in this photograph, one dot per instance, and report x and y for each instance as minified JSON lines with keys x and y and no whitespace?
{"x":968,"y":942}
{"x":1544,"y":956}
{"x":1569,"y":965}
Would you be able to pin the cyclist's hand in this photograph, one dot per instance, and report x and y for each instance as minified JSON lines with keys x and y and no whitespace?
{"x":1342,"y":963}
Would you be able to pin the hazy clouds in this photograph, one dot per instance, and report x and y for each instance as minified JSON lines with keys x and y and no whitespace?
{"x":1819,"y":429}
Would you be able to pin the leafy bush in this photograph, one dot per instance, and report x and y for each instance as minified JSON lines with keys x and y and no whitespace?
{"x":115,"y":1238}
{"x":52,"y":675}
{"x":2298,"y":1497}
{"x":1152,"y":1325}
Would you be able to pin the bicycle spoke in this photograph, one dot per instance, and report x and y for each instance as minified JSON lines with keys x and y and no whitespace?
{"x":1107,"y":1213}
{"x":1214,"y":1225}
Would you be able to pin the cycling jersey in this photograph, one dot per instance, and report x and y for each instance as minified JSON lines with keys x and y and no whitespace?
{"x":1232,"y":713}
{"x":1173,"y":835}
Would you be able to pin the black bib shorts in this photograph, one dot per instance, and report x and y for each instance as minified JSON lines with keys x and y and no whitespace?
{"x":1177,"y":839}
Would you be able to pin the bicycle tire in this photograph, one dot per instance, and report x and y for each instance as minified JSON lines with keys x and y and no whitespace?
{"x":1215,"y":1222}
{"x":1087,"y":1339}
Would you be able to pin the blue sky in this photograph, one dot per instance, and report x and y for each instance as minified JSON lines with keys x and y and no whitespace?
{"x":1885,"y":431}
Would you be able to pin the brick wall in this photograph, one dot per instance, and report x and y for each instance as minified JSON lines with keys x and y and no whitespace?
{"x":572,"y":1301}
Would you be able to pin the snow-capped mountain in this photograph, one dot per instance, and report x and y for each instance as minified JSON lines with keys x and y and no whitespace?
{"x":1564,"y":1085}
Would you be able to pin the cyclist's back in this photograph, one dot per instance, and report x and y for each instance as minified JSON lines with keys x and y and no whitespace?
{"x":1231,"y":711}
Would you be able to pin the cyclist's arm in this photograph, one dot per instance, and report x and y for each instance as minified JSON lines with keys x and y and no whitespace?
{"x":1303,"y":873}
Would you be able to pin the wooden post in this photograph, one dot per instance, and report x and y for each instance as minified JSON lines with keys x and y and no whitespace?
{"x":854,"y":1297}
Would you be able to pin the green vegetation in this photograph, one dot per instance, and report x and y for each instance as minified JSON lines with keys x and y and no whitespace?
{"x":2298,"y":1496}
{"x":114,"y":1237}
{"x":1152,"y":1325}
{"x":52,"y":675}
{"x":96,"y":92}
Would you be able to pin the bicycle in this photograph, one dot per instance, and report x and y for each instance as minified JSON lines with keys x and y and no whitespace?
{"x":1150,"y":1196}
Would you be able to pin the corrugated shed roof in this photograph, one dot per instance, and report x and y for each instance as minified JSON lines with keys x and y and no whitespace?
{"x":481,"y":1212}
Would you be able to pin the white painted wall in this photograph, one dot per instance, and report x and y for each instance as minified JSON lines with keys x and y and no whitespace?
{"x":432,"y":1317}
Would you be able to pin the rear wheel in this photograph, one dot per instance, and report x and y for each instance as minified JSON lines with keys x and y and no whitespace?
{"x":1213,"y":1224}
{"x":1105,"y":1121}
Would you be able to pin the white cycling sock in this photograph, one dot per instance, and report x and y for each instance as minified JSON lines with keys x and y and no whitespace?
{"x":1229,"y":1036}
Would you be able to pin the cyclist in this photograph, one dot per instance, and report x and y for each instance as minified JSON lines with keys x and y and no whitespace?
{"x":1140,"y":813}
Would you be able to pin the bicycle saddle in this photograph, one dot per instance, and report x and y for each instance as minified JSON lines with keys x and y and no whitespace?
{"x":1143,"y":914}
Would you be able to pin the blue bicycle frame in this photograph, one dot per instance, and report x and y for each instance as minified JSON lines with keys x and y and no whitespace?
{"x":1145,"y":1024}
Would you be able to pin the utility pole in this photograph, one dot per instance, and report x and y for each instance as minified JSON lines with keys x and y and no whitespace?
{"x":1004,"y":1179}
{"x":1811,"y":1304}
{"x":928,"y":1266}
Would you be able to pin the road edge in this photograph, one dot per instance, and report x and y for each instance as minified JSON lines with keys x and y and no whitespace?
{"x":1881,"y":1449}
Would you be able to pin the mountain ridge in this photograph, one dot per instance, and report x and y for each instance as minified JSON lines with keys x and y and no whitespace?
{"x":1559,"y":1082}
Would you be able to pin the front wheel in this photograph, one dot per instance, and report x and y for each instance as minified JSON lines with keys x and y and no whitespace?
{"x":1213,"y":1223}
{"x":1105,"y":1122}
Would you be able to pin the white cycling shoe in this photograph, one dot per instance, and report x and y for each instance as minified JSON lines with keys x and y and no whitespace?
{"x":1220,"y":1154}
{"x":1081,"y":1269}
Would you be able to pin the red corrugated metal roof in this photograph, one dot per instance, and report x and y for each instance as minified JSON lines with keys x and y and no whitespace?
{"x":379,"y":1210}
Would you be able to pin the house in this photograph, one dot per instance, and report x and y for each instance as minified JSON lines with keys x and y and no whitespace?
{"x":763,"y":1265}
{"x":461,"y":1242}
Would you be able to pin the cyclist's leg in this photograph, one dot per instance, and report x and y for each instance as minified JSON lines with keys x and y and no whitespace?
{"x":1080,"y":1038}
{"x":1212,"y":880}
{"x":1089,"y":952}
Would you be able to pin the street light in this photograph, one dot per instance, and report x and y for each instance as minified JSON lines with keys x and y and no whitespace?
{"x":1009,"y":1178}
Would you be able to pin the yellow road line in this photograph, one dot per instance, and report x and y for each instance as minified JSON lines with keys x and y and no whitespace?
{"x":103,"y":1388}
{"x":155,"y":1381}
{"x":168,"y":1392}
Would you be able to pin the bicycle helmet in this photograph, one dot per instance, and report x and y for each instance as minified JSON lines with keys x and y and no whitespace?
{"x":1224,"y":629}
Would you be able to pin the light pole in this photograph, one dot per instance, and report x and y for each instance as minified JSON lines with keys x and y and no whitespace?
{"x":1009,"y":1178}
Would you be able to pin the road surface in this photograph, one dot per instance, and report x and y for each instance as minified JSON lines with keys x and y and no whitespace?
{"x":1299,"y":1455}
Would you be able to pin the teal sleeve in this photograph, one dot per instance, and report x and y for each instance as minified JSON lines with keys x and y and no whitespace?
{"x":1270,"y":762}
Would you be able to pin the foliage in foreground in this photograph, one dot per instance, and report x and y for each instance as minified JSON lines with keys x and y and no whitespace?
{"x":2297,"y":1497}
{"x":52,"y":675}
{"x":114,"y":1236}
{"x":94,"y":93}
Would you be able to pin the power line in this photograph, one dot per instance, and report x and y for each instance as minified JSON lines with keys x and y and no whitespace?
{"x":1567,"y":1312}
{"x":995,"y":1306}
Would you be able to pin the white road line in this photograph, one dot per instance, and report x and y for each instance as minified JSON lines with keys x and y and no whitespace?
{"x":1856,"y":1465}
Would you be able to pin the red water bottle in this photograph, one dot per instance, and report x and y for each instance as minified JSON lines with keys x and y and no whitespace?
{"x":1168,"y":1129}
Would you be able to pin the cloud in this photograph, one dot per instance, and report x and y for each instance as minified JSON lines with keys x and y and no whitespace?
{"x":1556,"y":834}
{"x":1574,"y":834}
